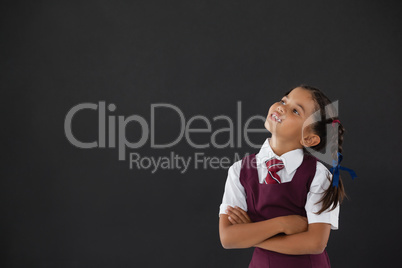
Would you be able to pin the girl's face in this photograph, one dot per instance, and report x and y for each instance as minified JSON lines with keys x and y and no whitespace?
{"x":286,"y":117}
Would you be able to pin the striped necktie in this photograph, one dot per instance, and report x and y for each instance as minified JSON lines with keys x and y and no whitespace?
{"x":273,"y":165}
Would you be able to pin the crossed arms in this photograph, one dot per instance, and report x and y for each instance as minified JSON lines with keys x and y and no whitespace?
{"x":236,"y":230}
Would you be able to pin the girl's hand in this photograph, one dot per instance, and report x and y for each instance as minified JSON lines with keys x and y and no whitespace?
{"x":237,"y":215}
{"x":294,"y":224}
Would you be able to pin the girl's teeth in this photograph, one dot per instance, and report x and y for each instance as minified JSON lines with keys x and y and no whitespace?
{"x":277,"y":119}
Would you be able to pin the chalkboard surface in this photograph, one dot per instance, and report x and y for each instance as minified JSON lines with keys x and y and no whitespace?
{"x":122,"y":118}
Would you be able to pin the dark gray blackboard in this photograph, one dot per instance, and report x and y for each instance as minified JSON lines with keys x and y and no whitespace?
{"x":63,"y":206}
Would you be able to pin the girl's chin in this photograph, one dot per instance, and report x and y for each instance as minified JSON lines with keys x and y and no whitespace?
{"x":269,"y":125}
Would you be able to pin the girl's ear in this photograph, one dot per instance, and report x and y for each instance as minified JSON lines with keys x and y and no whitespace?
{"x":310,"y":140}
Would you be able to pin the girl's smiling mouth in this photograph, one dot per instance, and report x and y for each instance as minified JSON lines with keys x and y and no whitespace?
{"x":275,"y":117}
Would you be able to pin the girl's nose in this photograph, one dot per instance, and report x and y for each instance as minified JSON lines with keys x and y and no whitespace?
{"x":280,"y":109}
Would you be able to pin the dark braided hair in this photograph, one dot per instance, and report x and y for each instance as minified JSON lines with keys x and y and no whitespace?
{"x":327,"y":113}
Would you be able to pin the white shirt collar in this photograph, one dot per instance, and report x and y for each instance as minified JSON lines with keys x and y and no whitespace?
{"x":291,"y":160}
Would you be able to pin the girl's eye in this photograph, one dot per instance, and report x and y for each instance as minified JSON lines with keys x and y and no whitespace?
{"x":294,"y":110}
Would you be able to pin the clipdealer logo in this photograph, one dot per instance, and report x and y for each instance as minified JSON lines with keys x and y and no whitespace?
{"x":111,"y":126}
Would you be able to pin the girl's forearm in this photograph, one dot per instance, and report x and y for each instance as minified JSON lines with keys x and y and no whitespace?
{"x":312,"y":241}
{"x":248,"y":234}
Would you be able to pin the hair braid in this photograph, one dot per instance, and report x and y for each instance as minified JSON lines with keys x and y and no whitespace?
{"x":332,"y":195}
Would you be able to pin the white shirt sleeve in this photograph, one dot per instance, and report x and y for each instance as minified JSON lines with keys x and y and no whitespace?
{"x":234,"y":194}
{"x":318,"y":186}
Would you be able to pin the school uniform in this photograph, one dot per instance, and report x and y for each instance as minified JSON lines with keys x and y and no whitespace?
{"x":303,"y":183}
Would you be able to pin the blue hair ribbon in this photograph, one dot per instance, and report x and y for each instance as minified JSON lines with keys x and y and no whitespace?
{"x":336,"y":167}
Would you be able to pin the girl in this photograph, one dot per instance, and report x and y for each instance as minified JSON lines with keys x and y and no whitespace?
{"x":290,"y":203}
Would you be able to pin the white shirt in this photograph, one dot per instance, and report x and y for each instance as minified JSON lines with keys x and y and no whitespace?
{"x":235,"y":195}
